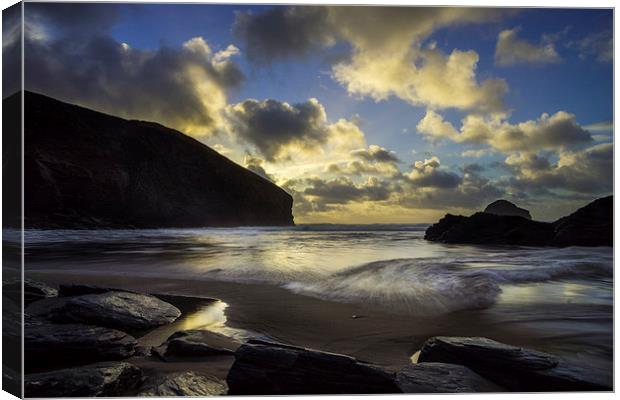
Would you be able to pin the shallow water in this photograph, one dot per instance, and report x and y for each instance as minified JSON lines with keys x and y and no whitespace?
{"x":563,"y":293}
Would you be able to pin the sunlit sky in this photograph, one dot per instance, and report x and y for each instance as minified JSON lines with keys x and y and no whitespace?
{"x":364,"y":115}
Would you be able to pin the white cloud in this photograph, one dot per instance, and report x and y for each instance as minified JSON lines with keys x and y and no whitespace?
{"x":512,"y":50}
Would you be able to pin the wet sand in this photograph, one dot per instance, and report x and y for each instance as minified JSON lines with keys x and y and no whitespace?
{"x":378,"y":336}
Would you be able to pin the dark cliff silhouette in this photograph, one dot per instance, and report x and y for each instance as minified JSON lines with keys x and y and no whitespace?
{"x":591,"y":225}
{"x":86,"y":169}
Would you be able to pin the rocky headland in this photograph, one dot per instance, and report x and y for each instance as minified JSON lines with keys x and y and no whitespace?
{"x":86,"y":169}
{"x":503,"y":223}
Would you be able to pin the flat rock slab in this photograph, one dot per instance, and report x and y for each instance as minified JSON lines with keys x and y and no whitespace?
{"x":102,"y":379}
{"x":442,"y":378}
{"x":183,"y":384}
{"x":265,"y":368}
{"x":198,"y":343}
{"x":512,"y":367}
{"x":70,"y":344}
{"x":73,"y":289}
{"x":128,"y":311}
{"x":33,"y":290}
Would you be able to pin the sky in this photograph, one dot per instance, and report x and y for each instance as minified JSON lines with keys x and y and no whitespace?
{"x":363,"y":114}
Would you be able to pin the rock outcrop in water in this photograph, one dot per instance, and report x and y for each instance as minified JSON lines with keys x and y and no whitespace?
{"x":504,"y":207}
{"x":591,"y":225}
{"x":85,"y":169}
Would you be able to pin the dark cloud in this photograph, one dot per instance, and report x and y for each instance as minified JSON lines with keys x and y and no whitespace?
{"x":184,"y":87}
{"x":282,"y":32}
{"x":271,"y":125}
{"x":376,"y":154}
{"x":81,"y":19}
{"x":255,"y":164}
{"x":427,"y":174}
{"x":11,"y":50}
{"x":344,"y":190}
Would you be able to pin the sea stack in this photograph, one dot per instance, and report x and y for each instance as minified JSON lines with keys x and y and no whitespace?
{"x":504,"y":207}
{"x":86,"y":169}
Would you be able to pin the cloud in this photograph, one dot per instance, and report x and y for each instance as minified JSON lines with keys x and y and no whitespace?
{"x":282,"y":32}
{"x":387,"y":55}
{"x":183,"y":87}
{"x":279,"y":129}
{"x":604,"y":126}
{"x":511,"y":50}
{"x":376,"y":153}
{"x":11,"y":50}
{"x":256,"y":165}
{"x":551,"y":132}
{"x":599,"y":45}
{"x":428,"y":174}
{"x":343,"y":190}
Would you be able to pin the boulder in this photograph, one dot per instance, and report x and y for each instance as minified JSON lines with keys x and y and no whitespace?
{"x":33,"y":290}
{"x":431,"y":377}
{"x":105,"y":379}
{"x":484,"y":228}
{"x":199,"y":343}
{"x":48,"y":344}
{"x":132,"y":312}
{"x":69,"y":290}
{"x":592,"y":225}
{"x":180,"y":384}
{"x":265,"y":368}
{"x":504,"y":207}
{"x":86,"y":169}
{"x":512,"y":367}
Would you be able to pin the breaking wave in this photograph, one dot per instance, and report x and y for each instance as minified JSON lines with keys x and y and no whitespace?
{"x":425,"y":287}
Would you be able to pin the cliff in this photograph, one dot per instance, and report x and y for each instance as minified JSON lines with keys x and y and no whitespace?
{"x":86,"y":169}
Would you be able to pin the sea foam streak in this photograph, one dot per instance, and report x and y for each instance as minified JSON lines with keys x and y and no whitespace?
{"x":425,"y":287}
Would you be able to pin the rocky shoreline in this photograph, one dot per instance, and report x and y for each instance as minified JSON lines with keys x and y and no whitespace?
{"x":102,"y":357}
{"x":591,"y":225}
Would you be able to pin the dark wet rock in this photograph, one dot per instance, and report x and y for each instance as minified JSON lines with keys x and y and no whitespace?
{"x":143,"y":351}
{"x":33,"y":290}
{"x":504,"y":207}
{"x":86,"y":169}
{"x":128,"y":311}
{"x":265,"y":368}
{"x":11,"y":380}
{"x":48,"y":344}
{"x":68,"y":290}
{"x":183,"y":384}
{"x":102,"y":379}
{"x":484,"y":228}
{"x":512,"y":367}
{"x":592,"y":225}
{"x":199,"y":343}
{"x":433,"y":377}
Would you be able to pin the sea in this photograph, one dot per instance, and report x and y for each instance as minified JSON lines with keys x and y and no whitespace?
{"x":563,"y":294}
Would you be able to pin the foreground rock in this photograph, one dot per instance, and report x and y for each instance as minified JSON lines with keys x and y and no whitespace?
{"x":74,"y":289}
{"x":127,"y":311}
{"x":433,"y":377}
{"x":504,"y":207}
{"x":183,"y":384}
{"x":197,"y":343}
{"x":514,"y":368}
{"x":103,"y":379}
{"x":47,"y":344}
{"x":591,"y":225}
{"x":33,"y":290}
{"x":264,"y":368}
{"x":86,"y":169}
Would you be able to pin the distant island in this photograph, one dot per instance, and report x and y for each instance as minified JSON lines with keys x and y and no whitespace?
{"x":86,"y":169}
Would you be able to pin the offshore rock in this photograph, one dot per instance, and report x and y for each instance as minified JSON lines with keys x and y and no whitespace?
{"x":504,"y":207}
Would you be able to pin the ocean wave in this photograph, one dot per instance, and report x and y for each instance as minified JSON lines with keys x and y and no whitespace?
{"x":426,"y":287}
